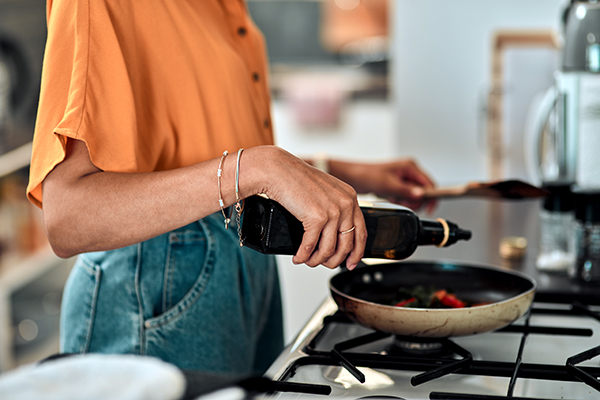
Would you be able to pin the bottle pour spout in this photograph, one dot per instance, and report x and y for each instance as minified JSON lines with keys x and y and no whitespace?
{"x":463,"y":234}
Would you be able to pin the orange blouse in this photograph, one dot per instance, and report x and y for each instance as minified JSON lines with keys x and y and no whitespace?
{"x":149,"y":85}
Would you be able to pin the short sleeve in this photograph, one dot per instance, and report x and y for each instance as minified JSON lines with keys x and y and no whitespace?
{"x":83,"y":96}
{"x":149,"y":85}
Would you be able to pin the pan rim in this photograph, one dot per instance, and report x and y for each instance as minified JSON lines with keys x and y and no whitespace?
{"x":441,"y":262}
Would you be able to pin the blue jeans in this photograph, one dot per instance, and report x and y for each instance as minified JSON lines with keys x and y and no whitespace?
{"x":192,"y":297}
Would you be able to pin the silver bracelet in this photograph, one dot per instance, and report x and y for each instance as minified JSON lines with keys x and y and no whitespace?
{"x":221,"y":203}
{"x":238,"y":202}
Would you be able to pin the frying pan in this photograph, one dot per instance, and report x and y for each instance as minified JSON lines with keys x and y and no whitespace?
{"x":363,"y":294}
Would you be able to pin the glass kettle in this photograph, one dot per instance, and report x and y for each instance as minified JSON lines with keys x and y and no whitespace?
{"x":567,"y":121}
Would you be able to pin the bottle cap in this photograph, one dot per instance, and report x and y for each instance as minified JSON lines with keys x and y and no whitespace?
{"x":560,"y":198}
{"x":513,"y":247}
{"x":587,"y":206}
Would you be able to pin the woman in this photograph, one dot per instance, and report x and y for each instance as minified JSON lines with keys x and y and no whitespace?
{"x":139,"y":103}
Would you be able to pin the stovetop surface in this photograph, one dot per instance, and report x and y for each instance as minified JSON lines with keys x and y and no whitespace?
{"x":540,"y":343}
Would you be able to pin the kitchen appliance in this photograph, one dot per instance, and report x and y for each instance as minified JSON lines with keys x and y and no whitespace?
{"x":568,"y":122}
{"x":530,"y":359}
{"x":549,"y":353}
{"x":566,"y":132}
{"x":586,"y":266}
{"x":557,"y":221}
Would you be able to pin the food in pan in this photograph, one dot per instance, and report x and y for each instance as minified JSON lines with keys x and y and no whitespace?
{"x":422,"y":297}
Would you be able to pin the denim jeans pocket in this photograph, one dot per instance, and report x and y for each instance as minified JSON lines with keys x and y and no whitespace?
{"x":188,"y":266}
{"x":79,"y":306}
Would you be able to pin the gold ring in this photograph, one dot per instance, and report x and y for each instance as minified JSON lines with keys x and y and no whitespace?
{"x":348,"y":231}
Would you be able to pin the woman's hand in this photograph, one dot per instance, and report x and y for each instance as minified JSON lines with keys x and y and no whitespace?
{"x":401,"y":181}
{"x":325,"y":205}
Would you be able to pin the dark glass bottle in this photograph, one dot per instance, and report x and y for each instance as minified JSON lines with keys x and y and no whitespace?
{"x":394,"y":232}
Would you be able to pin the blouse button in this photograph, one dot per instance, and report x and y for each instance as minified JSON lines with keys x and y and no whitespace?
{"x":266,"y":123}
{"x":255,"y":77}
{"x":242,"y":31}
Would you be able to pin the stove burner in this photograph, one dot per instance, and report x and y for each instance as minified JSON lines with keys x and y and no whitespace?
{"x":415,"y":346}
{"x":373,"y":352}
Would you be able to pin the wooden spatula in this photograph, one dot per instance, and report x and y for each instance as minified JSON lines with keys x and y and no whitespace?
{"x":511,"y":189}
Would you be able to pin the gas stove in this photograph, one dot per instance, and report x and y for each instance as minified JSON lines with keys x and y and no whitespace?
{"x":547,"y":354}
{"x":552,"y":352}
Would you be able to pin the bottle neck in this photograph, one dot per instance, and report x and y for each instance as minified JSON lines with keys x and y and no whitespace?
{"x":441,"y":233}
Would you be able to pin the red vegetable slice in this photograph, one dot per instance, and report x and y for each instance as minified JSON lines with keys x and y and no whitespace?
{"x":449,"y":300}
{"x":405,"y":302}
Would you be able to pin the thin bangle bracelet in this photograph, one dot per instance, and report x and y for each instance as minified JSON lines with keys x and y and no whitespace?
{"x":221,"y":203}
{"x":238,"y":202}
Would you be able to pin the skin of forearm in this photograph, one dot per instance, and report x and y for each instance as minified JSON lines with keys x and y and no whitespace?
{"x":108,"y":210}
{"x":86,"y":209}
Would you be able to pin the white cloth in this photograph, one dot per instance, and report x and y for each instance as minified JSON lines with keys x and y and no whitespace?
{"x":95,"y":376}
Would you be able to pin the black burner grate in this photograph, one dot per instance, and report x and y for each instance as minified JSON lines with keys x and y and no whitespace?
{"x":462,"y":362}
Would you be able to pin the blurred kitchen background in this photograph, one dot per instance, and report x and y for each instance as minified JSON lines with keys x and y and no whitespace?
{"x":453,"y":84}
